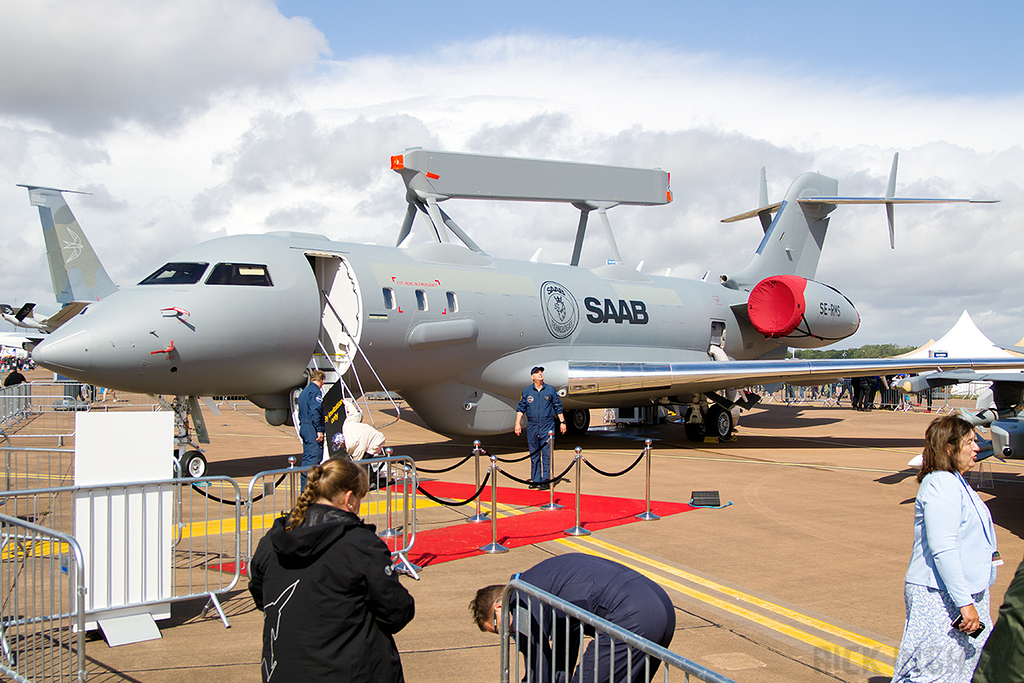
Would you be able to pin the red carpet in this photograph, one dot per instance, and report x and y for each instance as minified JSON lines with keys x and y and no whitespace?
{"x":464,"y":540}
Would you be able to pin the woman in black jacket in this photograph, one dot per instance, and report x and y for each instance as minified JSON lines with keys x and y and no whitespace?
{"x":325,"y":583}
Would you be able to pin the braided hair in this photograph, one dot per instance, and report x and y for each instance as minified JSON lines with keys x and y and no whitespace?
{"x":328,"y":481}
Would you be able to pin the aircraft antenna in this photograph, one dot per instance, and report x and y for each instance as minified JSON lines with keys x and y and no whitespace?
{"x":432,"y":177}
{"x":890,"y":192}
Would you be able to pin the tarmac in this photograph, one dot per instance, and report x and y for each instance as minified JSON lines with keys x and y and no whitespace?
{"x":798,"y":578}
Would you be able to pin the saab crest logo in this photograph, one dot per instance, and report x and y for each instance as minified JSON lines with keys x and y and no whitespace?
{"x":561,"y":313}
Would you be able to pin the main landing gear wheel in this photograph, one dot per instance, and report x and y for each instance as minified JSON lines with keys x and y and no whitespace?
{"x":577,"y":420}
{"x":718,"y":422}
{"x":193,"y":464}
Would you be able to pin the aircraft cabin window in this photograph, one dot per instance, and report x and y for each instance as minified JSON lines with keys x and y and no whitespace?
{"x":389,"y":298}
{"x":245,"y":274}
{"x":177,"y":274}
{"x":453,"y":303}
{"x":421,"y":300}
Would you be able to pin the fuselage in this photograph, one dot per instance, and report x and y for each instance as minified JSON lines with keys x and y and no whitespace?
{"x":433,"y":321}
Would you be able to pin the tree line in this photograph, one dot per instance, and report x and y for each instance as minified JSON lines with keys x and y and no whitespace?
{"x":866,"y":351}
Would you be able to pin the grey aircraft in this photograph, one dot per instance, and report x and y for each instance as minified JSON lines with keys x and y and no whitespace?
{"x":1000,"y":408}
{"x":76,"y":273}
{"x":455,"y":331}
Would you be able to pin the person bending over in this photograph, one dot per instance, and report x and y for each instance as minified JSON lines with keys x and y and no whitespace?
{"x":606,"y":589}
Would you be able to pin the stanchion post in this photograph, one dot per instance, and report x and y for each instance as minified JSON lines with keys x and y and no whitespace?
{"x":293,"y":481}
{"x":479,"y":516}
{"x":391,"y":531}
{"x":647,"y":515}
{"x":494,"y":547}
{"x":578,"y":530}
{"x":551,"y":505}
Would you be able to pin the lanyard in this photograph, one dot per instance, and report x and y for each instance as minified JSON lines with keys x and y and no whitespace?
{"x":974,"y":502}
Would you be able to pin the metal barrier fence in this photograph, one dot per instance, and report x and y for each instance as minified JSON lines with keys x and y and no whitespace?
{"x":145,"y":543}
{"x":390,"y":505}
{"x":35,"y":468}
{"x":14,"y":405}
{"x":563,"y":646}
{"x":42,"y":615}
{"x":47,"y":409}
{"x":938,"y":399}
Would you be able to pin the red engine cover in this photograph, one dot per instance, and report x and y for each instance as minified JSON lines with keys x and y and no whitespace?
{"x":776,"y":305}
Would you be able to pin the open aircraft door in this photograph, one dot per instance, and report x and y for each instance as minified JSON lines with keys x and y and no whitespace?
{"x":341,"y":309}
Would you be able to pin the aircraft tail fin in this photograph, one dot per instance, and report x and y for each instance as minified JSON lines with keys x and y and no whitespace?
{"x":75,"y":270}
{"x":25,"y":311}
{"x":794,"y":237}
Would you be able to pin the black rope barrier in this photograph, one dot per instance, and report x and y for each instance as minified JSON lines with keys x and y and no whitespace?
{"x":539,"y":483}
{"x":528,"y":455}
{"x":617,"y":474}
{"x":515,"y":460}
{"x":222,"y":501}
{"x":446,"y":469}
{"x":460,"y":503}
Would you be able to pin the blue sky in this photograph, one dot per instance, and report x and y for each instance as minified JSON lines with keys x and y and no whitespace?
{"x":191,"y":119}
{"x":943,"y":47}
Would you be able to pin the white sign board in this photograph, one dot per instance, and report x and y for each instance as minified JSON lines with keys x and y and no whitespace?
{"x":126,"y":531}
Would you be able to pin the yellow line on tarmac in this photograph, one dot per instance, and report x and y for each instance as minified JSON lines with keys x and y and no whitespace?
{"x":763,"y":604}
{"x":265,"y":521}
{"x":863,"y":661}
{"x":34,"y":549}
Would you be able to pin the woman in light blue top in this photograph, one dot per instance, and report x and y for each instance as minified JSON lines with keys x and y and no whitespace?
{"x":952,"y":564}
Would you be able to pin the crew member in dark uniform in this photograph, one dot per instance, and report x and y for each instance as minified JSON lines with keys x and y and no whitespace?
{"x":606,"y":589}
{"x":540,"y":404}
{"x":311,"y":421}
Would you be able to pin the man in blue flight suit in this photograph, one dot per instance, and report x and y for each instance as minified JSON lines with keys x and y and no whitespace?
{"x":540,"y":404}
{"x":604,"y":588}
{"x":311,"y":421}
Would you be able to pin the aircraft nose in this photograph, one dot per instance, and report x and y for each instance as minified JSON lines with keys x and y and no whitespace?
{"x":68,"y":354}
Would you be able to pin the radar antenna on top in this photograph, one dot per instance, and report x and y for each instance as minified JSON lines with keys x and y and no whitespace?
{"x":431,"y":177}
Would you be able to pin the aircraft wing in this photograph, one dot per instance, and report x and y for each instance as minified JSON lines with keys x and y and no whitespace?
{"x":18,"y":340}
{"x":947,"y":378}
{"x":594,"y":378}
{"x":65,"y":314}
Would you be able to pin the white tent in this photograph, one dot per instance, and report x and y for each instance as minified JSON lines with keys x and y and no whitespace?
{"x":964,"y":340}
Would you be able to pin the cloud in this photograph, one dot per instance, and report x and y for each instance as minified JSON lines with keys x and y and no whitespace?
{"x":296,"y":217}
{"x":80,"y":67}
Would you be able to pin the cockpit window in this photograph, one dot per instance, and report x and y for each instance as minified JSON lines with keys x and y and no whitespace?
{"x":248,"y":274}
{"x":177,"y":274}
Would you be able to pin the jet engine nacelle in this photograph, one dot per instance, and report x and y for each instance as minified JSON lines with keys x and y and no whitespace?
{"x":807,"y":314}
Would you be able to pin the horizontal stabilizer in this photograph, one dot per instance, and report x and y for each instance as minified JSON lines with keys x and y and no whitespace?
{"x":891,"y":200}
{"x":771,"y":208}
{"x":857,"y":200}
{"x":39,"y":195}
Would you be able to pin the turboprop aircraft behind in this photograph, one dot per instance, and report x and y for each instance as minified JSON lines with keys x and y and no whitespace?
{"x":455,"y":331}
